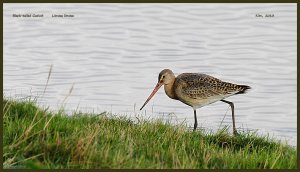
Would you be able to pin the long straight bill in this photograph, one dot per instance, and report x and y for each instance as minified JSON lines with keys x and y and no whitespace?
{"x":158,"y":85}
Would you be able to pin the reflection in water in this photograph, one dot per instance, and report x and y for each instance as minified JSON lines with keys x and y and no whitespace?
{"x":113,"y":53}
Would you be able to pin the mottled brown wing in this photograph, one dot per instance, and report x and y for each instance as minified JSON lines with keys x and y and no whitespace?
{"x":202,"y":86}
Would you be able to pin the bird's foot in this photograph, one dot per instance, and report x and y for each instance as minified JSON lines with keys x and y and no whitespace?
{"x":195,"y":127}
{"x":235,"y":133}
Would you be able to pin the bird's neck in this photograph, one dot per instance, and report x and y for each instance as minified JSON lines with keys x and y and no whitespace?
{"x":169,"y":89}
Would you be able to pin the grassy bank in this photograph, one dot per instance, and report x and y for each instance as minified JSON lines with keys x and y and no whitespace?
{"x":36,"y":138}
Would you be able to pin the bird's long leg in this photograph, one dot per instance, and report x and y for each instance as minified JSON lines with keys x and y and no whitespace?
{"x":195,"y":124}
{"x":233,"y":120}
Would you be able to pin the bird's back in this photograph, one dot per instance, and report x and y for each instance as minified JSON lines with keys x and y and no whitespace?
{"x":197,"y":90}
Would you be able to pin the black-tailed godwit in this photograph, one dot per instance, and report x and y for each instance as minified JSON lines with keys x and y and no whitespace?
{"x":197,"y":90}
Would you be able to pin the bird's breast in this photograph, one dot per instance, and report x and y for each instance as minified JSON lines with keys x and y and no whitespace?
{"x":170,"y":92}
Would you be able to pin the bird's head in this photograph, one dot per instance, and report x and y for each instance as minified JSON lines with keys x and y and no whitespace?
{"x":166,"y":77}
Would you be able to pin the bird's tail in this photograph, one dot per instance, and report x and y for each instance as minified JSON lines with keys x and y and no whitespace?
{"x":244,"y":88}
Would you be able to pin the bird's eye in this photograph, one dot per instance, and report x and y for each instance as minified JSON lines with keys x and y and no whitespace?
{"x":163,"y":76}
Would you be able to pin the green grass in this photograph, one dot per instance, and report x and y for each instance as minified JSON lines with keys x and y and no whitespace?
{"x":36,"y":138}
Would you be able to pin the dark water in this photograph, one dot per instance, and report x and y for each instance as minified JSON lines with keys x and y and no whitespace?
{"x":112,"y":53}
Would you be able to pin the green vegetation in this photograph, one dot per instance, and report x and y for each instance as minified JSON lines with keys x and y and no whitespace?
{"x":35,"y":138}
